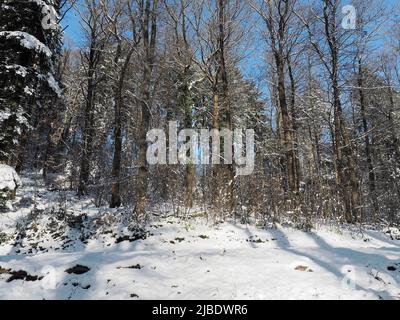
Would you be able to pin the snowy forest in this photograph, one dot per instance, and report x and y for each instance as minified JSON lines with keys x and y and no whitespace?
{"x":199,"y":149}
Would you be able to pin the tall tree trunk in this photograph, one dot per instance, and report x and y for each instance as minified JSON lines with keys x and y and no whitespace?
{"x":142,"y":179}
{"x":294,"y":127}
{"x":286,"y":125}
{"x":394,"y":147}
{"x":368,"y":151}
{"x":97,"y":43}
{"x":87,"y":138}
{"x":225,"y":103}
{"x":115,"y":201}
{"x":186,"y":105}
{"x":346,"y":174}
{"x":116,"y":166}
{"x":149,"y":34}
{"x":215,"y":196}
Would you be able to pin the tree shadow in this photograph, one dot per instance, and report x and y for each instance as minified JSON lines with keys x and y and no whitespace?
{"x":378,"y":235}
{"x":247,"y":231}
{"x":338,"y":256}
{"x":96,"y":261}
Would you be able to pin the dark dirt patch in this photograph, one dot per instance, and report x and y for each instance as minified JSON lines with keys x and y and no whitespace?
{"x":77,"y":284}
{"x":255,"y":241}
{"x":140,"y":236}
{"x":391,"y":268}
{"x":179,"y":239}
{"x":301,"y":268}
{"x":2,"y":270}
{"x":78,"y":269}
{"x":76,"y":221}
{"x":202,"y":236}
{"x":136,"y":266}
{"x":22,"y":275}
{"x":32,"y":278}
{"x":134,"y":295}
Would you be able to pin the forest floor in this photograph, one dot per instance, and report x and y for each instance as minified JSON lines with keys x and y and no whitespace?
{"x":73,"y":250}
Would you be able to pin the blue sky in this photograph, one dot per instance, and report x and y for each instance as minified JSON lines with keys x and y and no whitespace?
{"x":73,"y":35}
{"x":74,"y":32}
{"x":252,"y":66}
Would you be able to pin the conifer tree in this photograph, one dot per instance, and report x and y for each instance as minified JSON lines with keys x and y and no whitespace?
{"x":30,"y":46}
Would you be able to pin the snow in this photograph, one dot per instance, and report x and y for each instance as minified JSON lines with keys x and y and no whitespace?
{"x":192,"y":258}
{"x":28,"y":41}
{"x":40,"y":3}
{"x":53,"y":84}
{"x":21,"y":118}
{"x":20,"y":70}
{"x":9,"y":179}
{"x":4,"y":115}
{"x":29,"y":91}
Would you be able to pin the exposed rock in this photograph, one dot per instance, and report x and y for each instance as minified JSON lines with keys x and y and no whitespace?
{"x":9,"y":183}
{"x":2,"y":270}
{"x":394,"y":233}
{"x":78,"y":269}
{"x":301,"y":268}
{"x":22,"y":275}
{"x":391,"y":268}
{"x":139,"y":235}
{"x":137,"y":266}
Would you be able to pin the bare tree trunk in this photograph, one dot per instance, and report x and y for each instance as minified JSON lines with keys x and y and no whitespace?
{"x":395,"y":141}
{"x":149,"y":34}
{"x":281,"y":44}
{"x":368,"y":151}
{"x":347,"y":179}
{"x":190,"y":169}
{"x":215,"y":114}
{"x":286,"y":126}
{"x":87,"y":138}
{"x":118,"y":100}
{"x":116,"y":166}
{"x":98,"y":40}
{"x":225,"y":103}
{"x":294,"y":126}
{"x":215,"y":196}
{"x":115,"y":201}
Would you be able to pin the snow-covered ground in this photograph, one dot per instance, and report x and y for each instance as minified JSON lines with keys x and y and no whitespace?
{"x":193,"y":259}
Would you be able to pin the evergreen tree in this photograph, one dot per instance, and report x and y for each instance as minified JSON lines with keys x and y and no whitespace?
{"x":30,"y":46}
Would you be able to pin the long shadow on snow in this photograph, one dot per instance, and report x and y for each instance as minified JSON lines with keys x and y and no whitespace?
{"x":339,"y":256}
{"x":96,"y":261}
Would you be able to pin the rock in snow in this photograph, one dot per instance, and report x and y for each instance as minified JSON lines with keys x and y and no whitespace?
{"x":9,"y":182}
{"x":394,"y":233}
